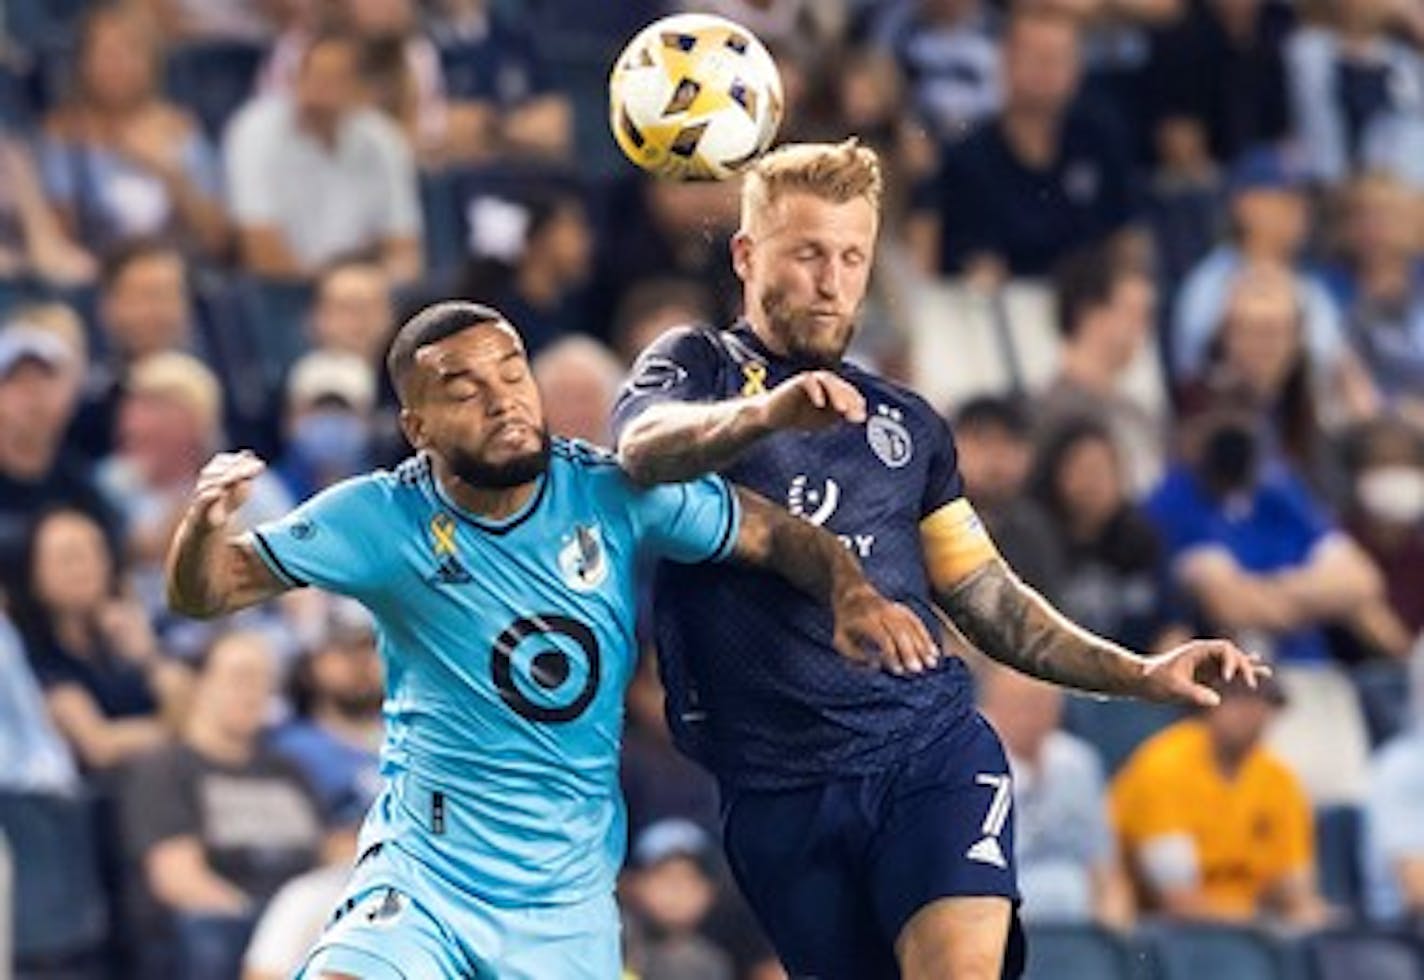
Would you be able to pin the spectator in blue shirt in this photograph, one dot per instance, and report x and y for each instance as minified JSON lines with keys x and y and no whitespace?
{"x":1045,"y":176}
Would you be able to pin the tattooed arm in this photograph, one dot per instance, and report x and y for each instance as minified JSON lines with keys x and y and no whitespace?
{"x":676,"y":441}
{"x":866,"y":623}
{"x":211,"y":572}
{"x":1011,"y":623}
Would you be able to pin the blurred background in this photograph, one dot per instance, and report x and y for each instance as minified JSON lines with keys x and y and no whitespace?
{"x":1161,"y":263}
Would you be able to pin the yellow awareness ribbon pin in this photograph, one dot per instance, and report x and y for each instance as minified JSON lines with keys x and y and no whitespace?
{"x":442,"y":529}
{"x":756,"y":379}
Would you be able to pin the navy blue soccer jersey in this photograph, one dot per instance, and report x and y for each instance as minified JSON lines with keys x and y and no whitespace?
{"x":755,"y":690}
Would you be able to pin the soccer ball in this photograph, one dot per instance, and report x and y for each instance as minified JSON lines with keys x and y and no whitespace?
{"x":694,"y":97}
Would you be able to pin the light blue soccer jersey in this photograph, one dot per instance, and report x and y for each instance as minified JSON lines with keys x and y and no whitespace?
{"x":507,"y":647}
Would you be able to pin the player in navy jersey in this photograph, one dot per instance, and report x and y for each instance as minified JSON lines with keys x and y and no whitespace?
{"x":501,"y":568}
{"x":868,"y":817}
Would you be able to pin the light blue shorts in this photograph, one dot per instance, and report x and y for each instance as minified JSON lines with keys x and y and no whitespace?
{"x":400,"y":921}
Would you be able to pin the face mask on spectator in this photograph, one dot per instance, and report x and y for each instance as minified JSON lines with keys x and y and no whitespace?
{"x":331,"y":441}
{"x":1393,"y":494}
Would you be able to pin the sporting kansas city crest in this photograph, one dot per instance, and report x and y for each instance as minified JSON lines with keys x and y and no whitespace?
{"x":888,"y":437}
{"x":583,"y":560}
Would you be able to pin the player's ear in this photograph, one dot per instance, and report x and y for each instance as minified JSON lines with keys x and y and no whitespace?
{"x":413,"y":426}
{"x":742,"y":255}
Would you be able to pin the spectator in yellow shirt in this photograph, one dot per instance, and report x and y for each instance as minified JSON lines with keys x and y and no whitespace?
{"x":1213,"y":825}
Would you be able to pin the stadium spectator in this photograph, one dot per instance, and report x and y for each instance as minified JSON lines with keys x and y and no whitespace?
{"x":39,"y":385}
{"x":169,"y":423}
{"x":671,"y":887}
{"x":352,"y":310}
{"x":1213,"y":824}
{"x":995,"y":443}
{"x":1106,"y":311}
{"x":1114,"y":580}
{"x":579,"y":379}
{"x":1348,"y":77}
{"x":119,"y":160}
{"x":503,"y":101}
{"x":337,"y":696}
{"x":1386,"y":516}
{"x":655,"y":306}
{"x":110,"y":691}
{"x":658,"y":782}
{"x":1221,"y":71}
{"x":34,"y":757}
{"x":218,"y":822}
{"x":330,"y":397}
{"x":1380,"y":286}
{"x":292,"y":921}
{"x":1261,"y":561}
{"x":144,"y":308}
{"x":532,"y":258}
{"x":1044,"y":176}
{"x":948,"y":52}
{"x":1063,"y":841}
{"x":317,"y":174}
{"x":1393,"y":851}
{"x":1271,"y":220}
{"x":33,"y":240}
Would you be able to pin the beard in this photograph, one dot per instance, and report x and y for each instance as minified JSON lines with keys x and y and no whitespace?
{"x":355,"y":705}
{"x":803,"y":336}
{"x":513,"y":472}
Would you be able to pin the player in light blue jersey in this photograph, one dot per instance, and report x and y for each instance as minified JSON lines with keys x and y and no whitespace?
{"x":501,"y":567}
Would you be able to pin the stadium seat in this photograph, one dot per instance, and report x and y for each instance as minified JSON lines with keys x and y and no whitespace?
{"x":1116,"y":728}
{"x":60,"y":912}
{"x":32,"y":24}
{"x":213,"y":79}
{"x":1208,"y":952}
{"x":1337,"y":848}
{"x":1356,"y":955}
{"x":1076,"y":952}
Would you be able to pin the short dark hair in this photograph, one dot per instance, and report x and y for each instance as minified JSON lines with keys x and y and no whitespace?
{"x":430,"y":326}
{"x":118,"y":261}
{"x":1084,"y":281}
{"x":994,"y":411}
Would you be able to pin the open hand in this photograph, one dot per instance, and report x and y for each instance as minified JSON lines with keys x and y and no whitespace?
{"x":224,"y":486}
{"x":1181,"y":674}
{"x":871,"y":629}
{"x":811,"y":401}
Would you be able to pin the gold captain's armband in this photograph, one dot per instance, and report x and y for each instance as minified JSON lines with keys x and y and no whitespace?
{"x":956,"y":544}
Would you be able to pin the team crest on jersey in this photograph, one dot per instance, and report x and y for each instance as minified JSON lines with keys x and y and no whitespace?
{"x":888,"y":437}
{"x":583,"y":559}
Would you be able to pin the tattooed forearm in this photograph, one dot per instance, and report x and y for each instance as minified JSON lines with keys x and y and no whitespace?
{"x":805,"y":555}
{"x":674,"y":442}
{"x":1011,"y":623}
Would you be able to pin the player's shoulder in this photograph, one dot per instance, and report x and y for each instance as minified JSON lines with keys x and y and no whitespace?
{"x":897,"y":395}
{"x":379,"y":491}
{"x":583,"y":457}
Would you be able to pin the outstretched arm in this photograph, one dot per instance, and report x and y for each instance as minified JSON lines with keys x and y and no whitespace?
{"x":869,"y":628}
{"x":211,"y":572}
{"x":676,"y":441}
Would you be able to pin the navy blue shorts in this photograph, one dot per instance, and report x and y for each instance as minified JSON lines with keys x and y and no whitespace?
{"x":835,"y":871}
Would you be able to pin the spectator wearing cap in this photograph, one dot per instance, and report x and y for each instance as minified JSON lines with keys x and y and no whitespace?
{"x":217,"y":822}
{"x":121,"y":161}
{"x":330,"y":397}
{"x":1351,"y":78}
{"x":671,"y":887}
{"x":579,"y":379}
{"x":1261,"y":561}
{"x":169,"y":425}
{"x":995,"y":442}
{"x":1270,"y":223}
{"x":1393,"y":851}
{"x":1106,"y":314}
{"x":1213,"y":824}
{"x":39,"y":389}
{"x":533,"y":258}
{"x":1043,"y":177}
{"x":1068,"y":863}
{"x":316,"y":174}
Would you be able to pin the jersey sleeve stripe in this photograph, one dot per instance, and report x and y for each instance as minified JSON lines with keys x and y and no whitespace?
{"x":733,"y":522}
{"x":275,"y":564}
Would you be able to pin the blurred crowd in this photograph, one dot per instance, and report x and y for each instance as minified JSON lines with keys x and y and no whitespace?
{"x":1160,"y":262}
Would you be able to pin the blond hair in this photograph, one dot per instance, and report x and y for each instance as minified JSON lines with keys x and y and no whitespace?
{"x":184,"y":379}
{"x":836,"y":172}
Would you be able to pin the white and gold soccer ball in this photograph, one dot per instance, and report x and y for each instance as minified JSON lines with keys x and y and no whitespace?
{"x":694,"y":97}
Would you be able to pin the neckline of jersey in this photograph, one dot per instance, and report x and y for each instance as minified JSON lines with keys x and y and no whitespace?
{"x":746,"y":333}
{"x":505,"y":524}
